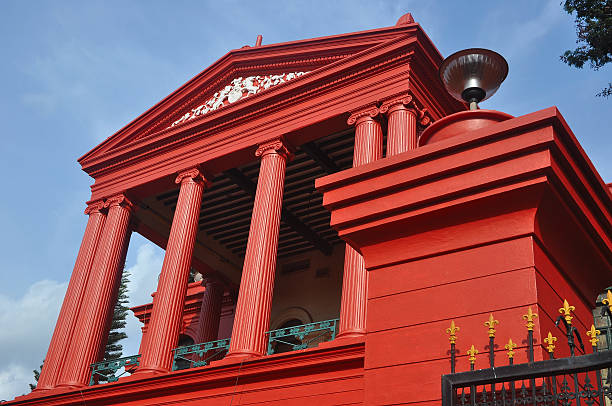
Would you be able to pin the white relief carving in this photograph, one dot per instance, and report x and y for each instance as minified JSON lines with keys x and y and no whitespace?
{"x":238,"y":89}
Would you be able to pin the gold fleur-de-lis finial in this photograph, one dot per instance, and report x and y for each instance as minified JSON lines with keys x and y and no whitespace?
{"x":510,"y":347}
{"x":593,"y":333}
{"x":452,"y":332}
{"x":608,"y":300}
{"x":566,"y":311}
{"x":491,"y":323}
{"x":472,"y":353}
{"x":529,"y":317}
{"x":550,"y":340}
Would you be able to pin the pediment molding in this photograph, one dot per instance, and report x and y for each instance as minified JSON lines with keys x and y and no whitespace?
{"x":297,"y":56}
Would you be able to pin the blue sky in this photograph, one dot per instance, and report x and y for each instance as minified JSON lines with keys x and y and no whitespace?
{"x":74,"y":72}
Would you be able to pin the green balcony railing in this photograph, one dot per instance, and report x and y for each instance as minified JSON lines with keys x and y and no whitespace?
{"x":197,"y":355}
{"x":105,"y":371}
{"x":301,"y":337}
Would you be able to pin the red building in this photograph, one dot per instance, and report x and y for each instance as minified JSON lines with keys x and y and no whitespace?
{"x":337,"y":243}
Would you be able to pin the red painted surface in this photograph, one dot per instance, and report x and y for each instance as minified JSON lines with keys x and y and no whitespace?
{"x":74,"y":297}
{"x":168,"y":303}
{"x":252,"y":318}
{"x":210,"y":313}
{"x":402,"y":125}
{"x":368,"y":148}
{"x":494,"y":220}
{"x":461,"y":123}
{"x":488,"y":218}
{"x":93,"y":322}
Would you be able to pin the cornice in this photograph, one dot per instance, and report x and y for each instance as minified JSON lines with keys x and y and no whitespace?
{"x":535,"y":149}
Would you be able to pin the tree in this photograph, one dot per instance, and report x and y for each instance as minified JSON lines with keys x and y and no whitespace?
{"x":594,"y":32}
{"x":36,"y":376}
{"x":113,"y":349}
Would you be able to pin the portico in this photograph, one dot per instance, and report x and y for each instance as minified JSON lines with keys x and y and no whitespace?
{"x":221,"y":175}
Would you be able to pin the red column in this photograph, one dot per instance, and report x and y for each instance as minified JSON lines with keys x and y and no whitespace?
{"x":252,"y":318}
{"x":91,"y":328}
{"x":402,"y":125}
{"x":167,"y":314}
{"x":73,"y":299}
{"x":210,"y":313}
{"x":368,"y":148}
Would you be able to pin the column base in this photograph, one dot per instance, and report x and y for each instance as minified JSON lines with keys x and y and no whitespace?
{"x":351,"y":334}
{"x":150,"y":371}
{"x":343,"y":340}
{"x":237,"y":357}
{"x":71,"y":385}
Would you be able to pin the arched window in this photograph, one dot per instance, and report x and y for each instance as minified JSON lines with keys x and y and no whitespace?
{"x":184,"y":341}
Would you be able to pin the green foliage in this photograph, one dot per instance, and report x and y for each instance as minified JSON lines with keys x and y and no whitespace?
{"x":36,"y":376}
{"x":594,"y":32}
{"x":113,"y":349}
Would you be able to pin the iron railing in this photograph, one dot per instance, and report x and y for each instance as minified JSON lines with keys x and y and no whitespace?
{"x":301,"y":337}
{"x":574,"y":380}
{"x":198,"y":355}
{"x":105,"y":371}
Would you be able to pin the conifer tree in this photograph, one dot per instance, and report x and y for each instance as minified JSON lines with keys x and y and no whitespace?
{"x":113,"y":349}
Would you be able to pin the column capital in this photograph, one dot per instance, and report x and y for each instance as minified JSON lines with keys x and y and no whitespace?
{"x":370,"y":111}
{"x":408,"y":101}
{"x":192,"y":174}
{"x":405,"y":100}
{"x":275,"y":146}
{"x":119,"y":200}
{"x":94,"y":206}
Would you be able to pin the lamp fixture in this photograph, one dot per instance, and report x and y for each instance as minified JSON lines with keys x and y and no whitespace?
{"x":473,"y":75}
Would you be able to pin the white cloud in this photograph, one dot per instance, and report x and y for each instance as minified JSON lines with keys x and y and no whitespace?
{"x":26,"y":325}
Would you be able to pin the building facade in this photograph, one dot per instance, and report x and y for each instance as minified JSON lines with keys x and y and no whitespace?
{"x":336,"y":243}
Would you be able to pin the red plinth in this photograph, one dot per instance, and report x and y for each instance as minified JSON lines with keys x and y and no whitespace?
{"x":494,"y":220}
{"x":252,"y":317}
{"x":73,"y":299}
{"x":168,"y":303}
{"x":210,"y":313}
{"x":368,"y":148}
{"x":93,"y":322}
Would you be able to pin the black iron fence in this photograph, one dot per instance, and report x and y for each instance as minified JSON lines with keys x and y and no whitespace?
{"x":574,"y":380}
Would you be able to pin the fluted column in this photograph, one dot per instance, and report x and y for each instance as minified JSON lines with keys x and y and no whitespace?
{"x":368,"y":148}
{"x":91,"y":328}
{"x":210,"y":313}
{"x":252,"y":317}
{"x":73,"y":299}
{"x":167,"y":313}
{"x":402,"y":124}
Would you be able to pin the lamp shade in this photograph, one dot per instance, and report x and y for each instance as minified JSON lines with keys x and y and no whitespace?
{"x":473,"y":74}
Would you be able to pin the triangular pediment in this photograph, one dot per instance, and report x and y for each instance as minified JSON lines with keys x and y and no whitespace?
{"x":241,"y":76}
{"x":237,"y":89}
